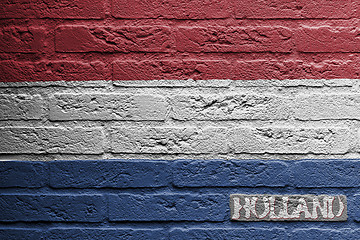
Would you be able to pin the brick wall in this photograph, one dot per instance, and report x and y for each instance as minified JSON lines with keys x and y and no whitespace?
{"x":142,"y":40}
{"x":121,"y":199}
{"x":159,"y":159}
{"x":85,"y":154}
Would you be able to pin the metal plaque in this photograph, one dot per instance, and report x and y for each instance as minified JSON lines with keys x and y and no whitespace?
{"x":288,"y":207}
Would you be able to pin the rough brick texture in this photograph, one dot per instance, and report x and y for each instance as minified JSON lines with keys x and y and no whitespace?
{"x":334,"y":173}
{"x":174,"y":140}
{"x":196,"y":9}
{"x":77,"y":9}
{"x":52,"y":208}
{"x":198,"y":39}
{"x":108,"y":158}
{"x":172,"y":69}
{"x":295,"y":69}
{"x":23,"y":174}
{"x":51,"y":140}
{"x":229,"y":173}
{"x":106,"y":233}
{"x":290,"y":140}
{"x":52,"y":71}
{"x":194,"y":119}
{"x":356,"y":208}
{"x":167,"y":207}
{"x":111,"y":39}
{"x":22,"y":39}
{"x":229,"y":107}
{"x":328,"y":39}
{"x":107,"y":107}
{"x":180,"y":173}
{"x":21,"y":106}
{"x":117,"y":174}
{"x":327,"y":106}
{"x":18,"y":233}
{"x":234,"y":39}
{"x":228,"y":233}
{"x":301,"y":9}
{"x":157,"y":193}
{"x":241,"y":69}
{"x":318,"y":234}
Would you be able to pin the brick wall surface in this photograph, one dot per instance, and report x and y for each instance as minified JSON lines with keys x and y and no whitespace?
{"x":87,"y":154}
{"x":159,"y":159}
{"x":188,"y":39}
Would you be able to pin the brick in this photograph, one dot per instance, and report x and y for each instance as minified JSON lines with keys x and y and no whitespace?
{"x":27,"y":174}
{"x":327,"y":39}
{"x":106,"y":233}
{"x":74,"y":38}
{"x":300,"y":9}
{"x":229,"y":107}
{"x":330,"y":69}
{"x":291,"y":140}
{"x":265,"y":69}
{"x":16,"y":39}
{"x":229,"y":173}
{"x":100,"y":106}
{"x":234,"y":39}
{"x":326,"y":173}
{"x":23,"y":140}
{"x":113,"y":173}
{"x":172,"y":9}
{"x":76,"y":9}
{"x":20,"y":233}
{"x":323,"y":233}
{"x":52,"y":208}
{"x":355,"y":208}
{"x":52,"y":71}
{"x":167,"y":207}
{"x":172,"y":69}
{"x":51,"y":140}
{"x":327,"y":106}
{"x":168,"y":140}
{"x":21,"y":106}
{"x":76,"y":140}
{"x":281,"y":70}
{"x":227,"y":233}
